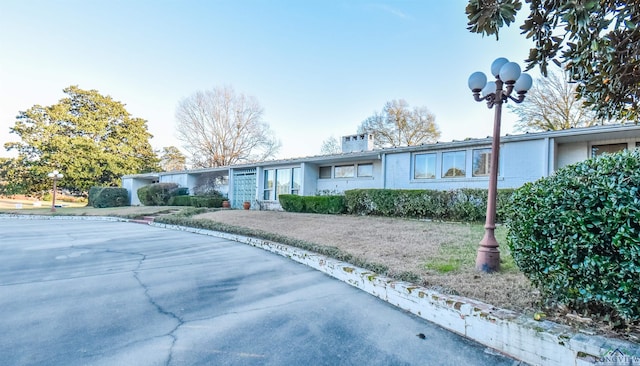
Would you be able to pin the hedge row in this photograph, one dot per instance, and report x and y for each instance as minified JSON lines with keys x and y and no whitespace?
{"x":101,"y":197}
{"x":452,"y":205}
{"x":312,"y":204}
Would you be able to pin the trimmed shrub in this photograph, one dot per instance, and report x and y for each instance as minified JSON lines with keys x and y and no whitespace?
{"x":101,"y":197}
{"x":576,"y":234}
{"x":143,"y":195}
{"x":182,"y":200}
{"x":157,"y":194}
{"x":206,"y":201}
{"x":291,"y":202}
{"x":313,"y":204}
{"x":454,"y":205}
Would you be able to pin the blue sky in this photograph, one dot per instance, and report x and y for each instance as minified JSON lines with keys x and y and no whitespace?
{"x":317,"y":67}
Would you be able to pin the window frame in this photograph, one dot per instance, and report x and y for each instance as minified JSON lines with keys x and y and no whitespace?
{"x":267,"y":190}
{"x":366,"y":175}
{"x":352,"y":175}
{"x":484,"y":151}
{"x":434,"y":171}
{"x":330,"y":168}
{"x":594,"y":148}
{"x":454,"y":166}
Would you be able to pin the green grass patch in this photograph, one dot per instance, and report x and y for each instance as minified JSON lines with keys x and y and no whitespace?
{"x":461,"y":254}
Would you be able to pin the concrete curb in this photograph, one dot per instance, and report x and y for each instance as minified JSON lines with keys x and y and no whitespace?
{"x":62,"y":217}
{"x":534,"y":342}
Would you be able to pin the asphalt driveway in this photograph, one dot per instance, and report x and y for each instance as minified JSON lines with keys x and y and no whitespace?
{"x":113,"y":293}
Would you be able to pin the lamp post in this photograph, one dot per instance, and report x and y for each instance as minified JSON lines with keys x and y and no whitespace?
{"x":55,"y":175}
{"x":507,"y":75}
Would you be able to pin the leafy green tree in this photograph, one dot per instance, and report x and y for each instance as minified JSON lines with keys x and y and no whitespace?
{"x":89,"y":137}
{"x":596,"y":41}
{"x":552,"y":104}
{"x":10,"y":177}
{"x":171,"y":159}
{"x":399,"y":125}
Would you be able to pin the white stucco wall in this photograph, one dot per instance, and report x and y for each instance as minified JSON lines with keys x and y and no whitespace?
{"x":179,"y":178}
{"x":522,"y":162}
{"x":309,"y":179}
{"x":569,"y":153}
{"x":132,"y":185}
{"x":339,"y":185}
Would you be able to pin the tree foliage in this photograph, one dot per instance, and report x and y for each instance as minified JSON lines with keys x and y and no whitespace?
{"x":576,"y":234}
{"x":552,"y":104}
{"x":219,"y":128}
{"x":172,"y":159}
{"x":89,"y":137}
{"x":597,"y":42}
{"x":399,"y":125}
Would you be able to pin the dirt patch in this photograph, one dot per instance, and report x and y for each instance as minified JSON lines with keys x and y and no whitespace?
{"x":400,"y":244}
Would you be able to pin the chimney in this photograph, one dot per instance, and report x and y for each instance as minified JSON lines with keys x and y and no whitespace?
{"x":360,"y":142}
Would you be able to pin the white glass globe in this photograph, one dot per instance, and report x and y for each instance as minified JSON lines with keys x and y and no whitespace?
{"x":497,"y":65}
{"x":524,"y":83}
{"x":477,"y":81}
{"x":510,"y":72}
{"x":489,"y":88}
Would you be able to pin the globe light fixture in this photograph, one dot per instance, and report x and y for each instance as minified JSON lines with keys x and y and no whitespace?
{"x":55,"y":175}
{"x":509,"y":78}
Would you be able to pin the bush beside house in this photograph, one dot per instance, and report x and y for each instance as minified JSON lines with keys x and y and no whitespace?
{"x":312,"y":204}
{"x":453,"y":205}
{"x":102,"y":197}
{"x":576,"y":234}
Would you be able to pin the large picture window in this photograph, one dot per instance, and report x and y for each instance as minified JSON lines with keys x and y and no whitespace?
{"x":453,"y":164}
{"x":597,"y":150}
{"x":296,"y":181}
{"x":424,"y":166}
{"x":344,"y":171}
{"x":481,"y":162}
{"x":365,"y":170}
{"x":281,"y":181}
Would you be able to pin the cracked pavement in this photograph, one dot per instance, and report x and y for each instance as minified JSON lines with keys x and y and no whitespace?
{"x":116,"y":293}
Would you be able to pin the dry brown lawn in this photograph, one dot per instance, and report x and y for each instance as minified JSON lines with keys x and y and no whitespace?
{"x":404,"y":246}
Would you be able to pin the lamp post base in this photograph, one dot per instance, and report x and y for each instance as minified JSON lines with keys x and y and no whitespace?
{"x":488,"y":258}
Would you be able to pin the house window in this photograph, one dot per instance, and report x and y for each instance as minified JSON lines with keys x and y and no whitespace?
{"x":268,"y":185}
{"x":453,"y":164}
{"x":344,"y":171}
{"x":424,"y":166}
{"x":365,"y":170}
{"x":296,"y":181}
{"x":283,"y":182}
{"x":597,"y":150}
{"x":325,"y":172}
{"x":481,"y":162}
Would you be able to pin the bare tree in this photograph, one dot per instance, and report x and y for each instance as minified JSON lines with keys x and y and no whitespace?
{"x":552,"y":104}
{"x":219,"y":128}
{"x":399,"y":125}
{"x":330,"y":146}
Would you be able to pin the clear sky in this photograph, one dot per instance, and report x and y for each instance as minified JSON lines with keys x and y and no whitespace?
{"x":317,"y":67}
